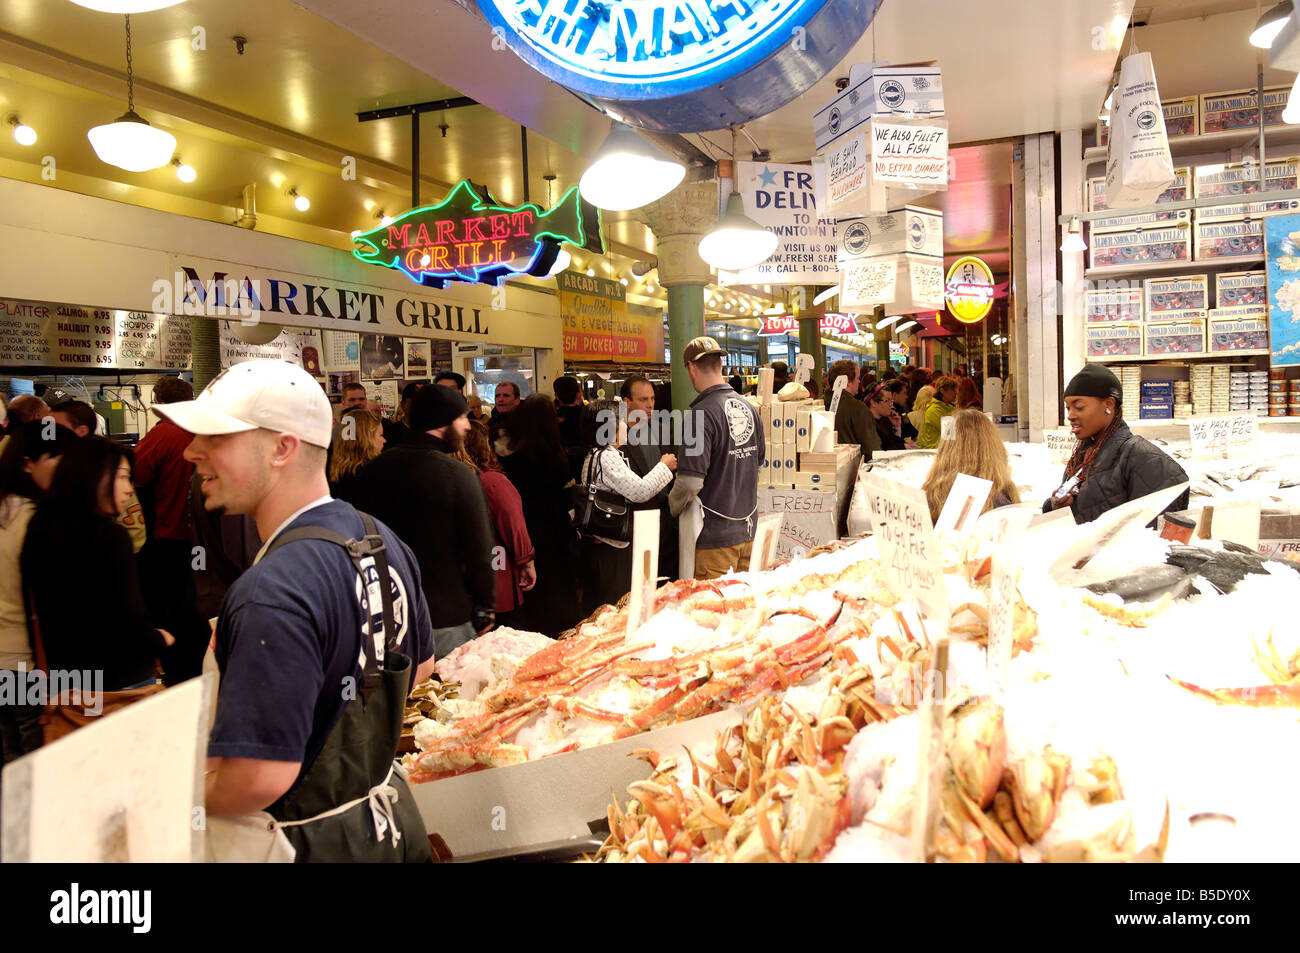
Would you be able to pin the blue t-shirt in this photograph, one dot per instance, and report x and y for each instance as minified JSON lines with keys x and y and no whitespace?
{"x":289,"y":639}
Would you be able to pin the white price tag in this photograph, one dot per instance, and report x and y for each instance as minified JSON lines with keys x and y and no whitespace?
{"x":905,"y":536}
{"x":965,"y":502}
{"x":1002,"y":607}
{"x":1217,"y":438}
{"x":1060,"y":445}
{"x":840,"y":384}
{"x":645,"y":567}
{"x":803,"y":368}
{"x":766,"y":536}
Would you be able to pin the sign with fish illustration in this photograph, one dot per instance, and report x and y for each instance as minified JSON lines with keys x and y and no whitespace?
{"x":1282,"y":248}
{"x":682,"y":65}
{"x":471,"y":237}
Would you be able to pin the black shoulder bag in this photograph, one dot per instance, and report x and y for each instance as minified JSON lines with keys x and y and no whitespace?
{"x":598,"y":512}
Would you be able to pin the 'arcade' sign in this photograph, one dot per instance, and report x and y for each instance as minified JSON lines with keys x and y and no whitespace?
{"x":469,"y":237}
{"x":682,"y":65}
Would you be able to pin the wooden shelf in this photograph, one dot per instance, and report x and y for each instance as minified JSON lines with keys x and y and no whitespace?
{"x":1176,"y":358}
{"x":1142,"y":267}
{"x":1182,"y":147}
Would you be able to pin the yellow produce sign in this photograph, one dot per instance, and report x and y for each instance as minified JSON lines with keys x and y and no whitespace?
{"x":969,"y":290}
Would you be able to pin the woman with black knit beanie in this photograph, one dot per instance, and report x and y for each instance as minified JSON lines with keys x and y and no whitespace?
{"x":1110,"y":465}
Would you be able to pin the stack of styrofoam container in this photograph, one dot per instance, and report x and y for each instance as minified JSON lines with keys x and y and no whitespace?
{"x":1259,"y":391}
{"x":1130,"y":379}
{"x":1239,"y":392}
{"x":1157,"y":400}
{"x":1220,"y":388}
{"x":1202,"y":387}
{"x":1182,"y":399}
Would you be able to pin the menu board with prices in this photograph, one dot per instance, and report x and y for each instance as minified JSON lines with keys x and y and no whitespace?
{"x":45,"y":334}
{"x":152,"y":341}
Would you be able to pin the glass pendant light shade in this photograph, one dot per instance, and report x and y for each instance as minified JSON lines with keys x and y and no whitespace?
{"x":737,"y":242}
{"x":629,"y":172}
{"x":1271,"y":24}
{"x":126,"y":6}
{"x":132,"y":144}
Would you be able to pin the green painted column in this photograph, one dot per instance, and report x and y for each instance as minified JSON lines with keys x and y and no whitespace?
{"x":810,"y":334}
{"x":685,"y":321}
{"x":679,"y":220}
{"x":205,"y":351}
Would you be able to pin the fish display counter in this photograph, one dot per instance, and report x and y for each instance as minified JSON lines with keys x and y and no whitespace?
{"x":774,"y":715}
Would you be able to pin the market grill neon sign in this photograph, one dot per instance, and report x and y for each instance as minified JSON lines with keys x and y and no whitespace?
{"x":663,"y":61}
{"x":469,"y":237}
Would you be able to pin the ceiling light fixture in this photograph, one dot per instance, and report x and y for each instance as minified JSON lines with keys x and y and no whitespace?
{"x":737,"y":242}
{"x":903,"y":327}
{"x":126,"y":6}
{"x":775,"y":310}
{"x":886,"y":322}
{"x":629,"y":172}
{"x":1074,"y":237}
{"x":354,"y":233}
{"x":591,"y":272}
{"x":650,"y":289}
{"x":384,"y":220}
{"x":24,"y":134}
{"x":184,"y":172}
{"x":129,"y":142}
{"x":1271,"y":24}
{"x":300,"y":202}
{"x":826,"y":295}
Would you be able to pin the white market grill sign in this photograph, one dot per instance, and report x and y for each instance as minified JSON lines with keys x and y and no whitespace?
{"x":682,"y":65}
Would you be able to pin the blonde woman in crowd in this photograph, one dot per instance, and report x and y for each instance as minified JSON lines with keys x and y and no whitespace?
{"x":357,"y":441}
{"x":917,"y":416}
{"x":976,"y":449}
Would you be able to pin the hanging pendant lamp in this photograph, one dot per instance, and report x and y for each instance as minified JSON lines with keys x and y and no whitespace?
{"x":129,"y":142}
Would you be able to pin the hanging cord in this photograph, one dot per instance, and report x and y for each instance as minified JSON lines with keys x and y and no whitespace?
{"x":130,"y":73}
{"x":1132,"y":38}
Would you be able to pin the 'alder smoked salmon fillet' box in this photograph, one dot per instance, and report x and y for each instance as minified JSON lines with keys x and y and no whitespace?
{"x":1241,"y":289}
{"x":1175,"y":294}
{"x":1240,"y":109}
{"x":1140,"y":245}
{"x":1182,"y":118}
{"x":1113,"y":340}
{"x":1241,"y":239}
{"x":1113,"y":305}
{"x":1178,"y":192}
{"x":1242,"y":178}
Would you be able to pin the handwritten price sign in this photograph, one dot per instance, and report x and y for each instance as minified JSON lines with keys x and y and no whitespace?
{"x":910,"y":155}
{"x":1060,"y":445}
{"x":905,"y":536}
{"x":1217,"y":438}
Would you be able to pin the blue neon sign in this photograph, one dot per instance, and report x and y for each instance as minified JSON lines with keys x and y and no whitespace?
{"x":683,"y":65}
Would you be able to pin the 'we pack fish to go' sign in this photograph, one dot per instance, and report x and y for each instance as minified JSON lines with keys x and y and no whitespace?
{"x":1217,"y":438}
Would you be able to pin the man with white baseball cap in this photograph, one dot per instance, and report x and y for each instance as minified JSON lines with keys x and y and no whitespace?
{"x":319,"y":642}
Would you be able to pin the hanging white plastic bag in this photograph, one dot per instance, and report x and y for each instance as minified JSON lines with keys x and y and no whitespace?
{"x":1138,"y":164}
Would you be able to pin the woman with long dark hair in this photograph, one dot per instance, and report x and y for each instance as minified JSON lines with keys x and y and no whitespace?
{"x":27,"y":466}
{"x":358,"y":439}
{"x":519,"y":574}
{"x":1110,"y":464}
{"x":79,"y":567}
{"x":532,"y":456}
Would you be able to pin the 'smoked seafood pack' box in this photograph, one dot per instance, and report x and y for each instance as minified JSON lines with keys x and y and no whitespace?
{"x":1240,"y":109}
{"x":1140,"y":245}
{"x":1236,"y":239}
{"x":1182,"y":118}
{"x":1241,"y":289}
{"x":896,"y":91}
{"x":1122,"y":305}
{"x":1242,"y":178}
{"x":1180,"y":191}
{"x":1113,"y":340}
{"x":1175,"y":294}
{"x":908,"y":230}
{"x":1175,"y":338}
{"x":1231,"y":330}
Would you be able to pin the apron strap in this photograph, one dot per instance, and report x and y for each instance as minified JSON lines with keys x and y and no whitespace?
{"x":372,"y":544}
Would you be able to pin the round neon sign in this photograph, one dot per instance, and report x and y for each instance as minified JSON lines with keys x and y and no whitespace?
{"x":969,"y":290}
{"x":683,"y":65}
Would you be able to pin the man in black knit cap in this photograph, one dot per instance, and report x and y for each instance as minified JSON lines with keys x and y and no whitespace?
{"x":436,"y":506}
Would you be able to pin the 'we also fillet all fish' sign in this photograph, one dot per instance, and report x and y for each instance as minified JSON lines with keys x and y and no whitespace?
{"x":470,"y":237}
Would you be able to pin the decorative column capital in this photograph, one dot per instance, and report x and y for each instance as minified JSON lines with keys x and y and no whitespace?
{"x":679,"y":220}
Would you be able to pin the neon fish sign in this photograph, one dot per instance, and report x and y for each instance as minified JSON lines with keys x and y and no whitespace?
{"x":683,"y":65}
{"x":468,"y":236}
